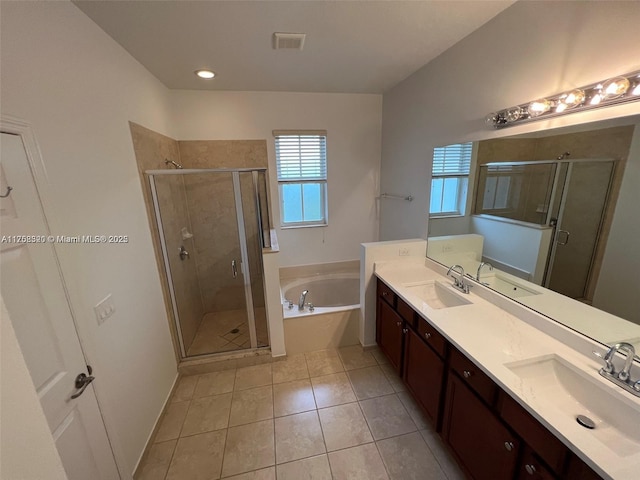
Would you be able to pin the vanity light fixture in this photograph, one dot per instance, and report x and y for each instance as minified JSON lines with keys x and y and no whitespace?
{"x":620,"y":89}
{"x":204,"y":73}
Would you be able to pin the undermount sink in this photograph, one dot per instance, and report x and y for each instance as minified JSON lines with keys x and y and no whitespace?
{"x":436,"y":295}
{"x":508,"y":287}
{"x":553,"y":381}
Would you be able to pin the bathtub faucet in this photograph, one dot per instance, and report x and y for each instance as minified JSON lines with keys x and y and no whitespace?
{"x":303,"y":297}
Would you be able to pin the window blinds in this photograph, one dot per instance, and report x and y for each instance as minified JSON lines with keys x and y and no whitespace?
{"x":452,"y":160}
{"x":301,"y":157}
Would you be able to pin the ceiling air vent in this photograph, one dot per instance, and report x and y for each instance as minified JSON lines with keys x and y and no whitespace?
{"x":288,"y":41}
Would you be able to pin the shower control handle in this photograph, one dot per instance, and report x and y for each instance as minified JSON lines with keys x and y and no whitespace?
{"x":566,"y":240}
{"x":234,"y":269}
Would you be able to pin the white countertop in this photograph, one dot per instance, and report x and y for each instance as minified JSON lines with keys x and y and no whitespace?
{"x":492,"y":337}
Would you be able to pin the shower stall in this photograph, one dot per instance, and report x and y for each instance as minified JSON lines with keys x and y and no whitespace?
{"x":570,"y":196}
{"x":212,"y":226}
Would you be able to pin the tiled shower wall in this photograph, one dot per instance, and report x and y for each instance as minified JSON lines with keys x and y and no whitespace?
{"x":213,"y":215}
{"x":151,"y":150}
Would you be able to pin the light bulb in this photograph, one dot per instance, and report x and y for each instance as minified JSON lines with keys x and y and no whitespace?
{"x":561,"y":107}
{"x":614,"y":88}
{"x":207,"y":74}
{"x":539,"y":107}
{"x":513,"y":114}
{"x":636,"y":89}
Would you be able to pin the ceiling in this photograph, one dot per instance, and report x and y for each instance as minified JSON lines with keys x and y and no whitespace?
{"x":351,"y":46}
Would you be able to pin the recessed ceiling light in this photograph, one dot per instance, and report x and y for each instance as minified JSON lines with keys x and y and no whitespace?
{"x":202,"y":73}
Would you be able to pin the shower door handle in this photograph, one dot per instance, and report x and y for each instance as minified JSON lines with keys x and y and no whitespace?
{"x":566,"y":239}
{"x":234,"y":269}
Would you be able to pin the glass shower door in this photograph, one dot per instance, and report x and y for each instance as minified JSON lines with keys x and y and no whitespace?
{"x":583,"y":202}
{"x":203,"y":236}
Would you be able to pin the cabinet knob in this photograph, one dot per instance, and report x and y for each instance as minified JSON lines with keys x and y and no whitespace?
{"x":405,"y":330}
{"x":508,"y":446}
{"x":398,"y":324}
{"x":531,"y":470}
{"x":466,"y":373}
{"x":427,"y":335}
{"x":384,"y":294}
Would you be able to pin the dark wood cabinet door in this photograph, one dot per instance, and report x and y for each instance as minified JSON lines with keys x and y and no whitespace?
{"x":484,"y":446}
{"x":390,"y":334}
{"x":423,"y":374}
{"x":531,"y":468}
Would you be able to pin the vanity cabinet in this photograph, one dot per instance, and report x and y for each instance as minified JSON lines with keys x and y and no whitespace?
{"x":492,"y":436}
{"x":485,"y":447}
{"x":423,"y":374}
{"x":389,"y":333}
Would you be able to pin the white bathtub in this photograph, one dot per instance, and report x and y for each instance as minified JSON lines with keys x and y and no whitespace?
{"x":335,"y":319}
{"x":328,"y":293}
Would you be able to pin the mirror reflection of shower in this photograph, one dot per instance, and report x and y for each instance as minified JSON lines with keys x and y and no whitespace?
{"x":213,"y":225}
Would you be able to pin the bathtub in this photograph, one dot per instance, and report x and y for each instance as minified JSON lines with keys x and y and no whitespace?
{"x":335,"y":319}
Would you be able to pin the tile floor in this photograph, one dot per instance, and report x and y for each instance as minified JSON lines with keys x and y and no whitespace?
{"x":227,"y":331}
{"x":331,"y":414}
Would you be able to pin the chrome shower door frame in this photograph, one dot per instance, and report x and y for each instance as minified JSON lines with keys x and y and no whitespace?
{"x":245,"y":271}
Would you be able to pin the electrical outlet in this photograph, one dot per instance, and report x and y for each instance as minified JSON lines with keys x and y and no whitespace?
{"x":403,"y":252}
{"x":104,"y":309}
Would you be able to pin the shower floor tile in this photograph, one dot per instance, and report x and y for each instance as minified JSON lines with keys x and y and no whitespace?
{"x":351,"y":430}
{"x":227,"y":331}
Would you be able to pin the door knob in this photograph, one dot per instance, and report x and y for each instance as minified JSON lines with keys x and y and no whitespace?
{"x":82,"y":382}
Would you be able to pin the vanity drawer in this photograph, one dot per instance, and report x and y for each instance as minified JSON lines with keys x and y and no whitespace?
{"x":542,"y":441}
{"x":473,"y":376}
{"x":405,"y":311}
{"x":386,"y":293}
{"x":431,"y":336}
{"x":531,"y":468}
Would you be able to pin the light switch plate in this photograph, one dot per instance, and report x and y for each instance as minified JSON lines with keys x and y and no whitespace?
{"x":104,"y":309}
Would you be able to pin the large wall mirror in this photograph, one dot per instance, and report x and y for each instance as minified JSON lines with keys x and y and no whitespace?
{"x":552,"y":220}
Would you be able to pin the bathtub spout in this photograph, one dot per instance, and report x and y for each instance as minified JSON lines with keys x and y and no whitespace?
{"x":303,"y":297}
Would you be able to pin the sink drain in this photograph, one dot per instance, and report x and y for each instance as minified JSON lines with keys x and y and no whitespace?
{"x":235,"y":330}
{"x":586,"y":422}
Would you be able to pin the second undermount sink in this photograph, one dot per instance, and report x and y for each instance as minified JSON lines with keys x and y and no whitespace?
{"x":556,"y":383}
{"x":436,"y":295}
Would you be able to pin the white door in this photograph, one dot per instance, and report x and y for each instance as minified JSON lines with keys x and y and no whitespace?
{"x":34,"y":293}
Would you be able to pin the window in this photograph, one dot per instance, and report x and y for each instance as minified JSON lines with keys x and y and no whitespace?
{"x":301,"y":160}
{"x":450,"y":179}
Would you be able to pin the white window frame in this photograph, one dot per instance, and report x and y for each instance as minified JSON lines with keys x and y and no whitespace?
{"x":311,"y":171}
{"x":453,"y":161}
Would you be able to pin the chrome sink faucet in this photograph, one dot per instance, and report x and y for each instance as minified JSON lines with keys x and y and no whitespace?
{"x":623,"y":377}
{"x":458,"y":282}
{"x":482,"y":264}
{"x":303,"y":297}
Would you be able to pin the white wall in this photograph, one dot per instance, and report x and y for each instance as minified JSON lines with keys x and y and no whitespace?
{"x":79,"y":90}
{"x":21,"y":416}
{"x":370,"y":253}
{"x":517,"y":245}
{"x":353,"y":124}
{"x":617,"y":289}
{"x":530,"y":50}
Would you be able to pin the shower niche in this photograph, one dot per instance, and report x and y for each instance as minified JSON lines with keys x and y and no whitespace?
{"x":212,"y":227}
